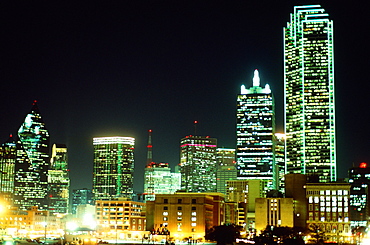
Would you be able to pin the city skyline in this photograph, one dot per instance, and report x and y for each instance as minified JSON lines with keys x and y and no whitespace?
{"x":122,"y":69}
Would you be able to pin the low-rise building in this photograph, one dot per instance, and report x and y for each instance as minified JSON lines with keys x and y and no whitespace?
{"x":120,"y":219}
{"x":183,"y":216}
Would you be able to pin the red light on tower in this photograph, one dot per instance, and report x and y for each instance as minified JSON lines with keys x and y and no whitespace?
{"x":363,"y":165}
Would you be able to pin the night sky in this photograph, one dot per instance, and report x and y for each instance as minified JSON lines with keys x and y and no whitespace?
{"x":119,"y":68}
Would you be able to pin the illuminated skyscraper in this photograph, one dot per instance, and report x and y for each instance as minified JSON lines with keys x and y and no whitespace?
{"x":113,"y":167}
{"x":58,"y":180}
{"x":158,"y":179}
{"x":8,"y":151}
{"x":198,"y":164}
{"x":31,"y":168}
{"x":309,"y":93}
{"x":255,"y":128}
{"x":225,"y":168}
{"x":359,"y":178}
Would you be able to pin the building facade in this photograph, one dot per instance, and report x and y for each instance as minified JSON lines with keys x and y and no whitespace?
{"x":121,"y":219}
{"x":274,"y":212}
{"x":328,"y":209}
{"x":198,"y":164}
{"x":359,"y":179}
{"x":309,"y":93}
{"x":226,"y":169}
{"x":113,"y":167}
{"x":255,"y":130}
{"x":81,"y":197}
{"x":33,"y":158}
{"x":8,"y":152}
{"x":185,"y":215}
{"x":158,"y":179}
{"x":58,"y":179}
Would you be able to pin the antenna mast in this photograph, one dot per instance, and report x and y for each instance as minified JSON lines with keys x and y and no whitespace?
{"x":149,"y":158}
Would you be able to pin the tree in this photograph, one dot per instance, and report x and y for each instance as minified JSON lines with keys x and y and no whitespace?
{"x":317,"y":233}
{"x":223,"y":234}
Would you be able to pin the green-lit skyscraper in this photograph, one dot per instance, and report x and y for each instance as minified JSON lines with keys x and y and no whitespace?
{"x":32,"y":162}
{"x":255,"y":128}
{"x":309,"y":93}
{"x":113,"y":167}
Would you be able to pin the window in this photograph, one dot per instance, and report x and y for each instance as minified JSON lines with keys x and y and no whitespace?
{"x":165,"y":201}
{"x":193,"y":201}
{"x":193,"y":208}
{"x":165,"y":208}
{"x":179,"y":208}
{"x":179,"y":201}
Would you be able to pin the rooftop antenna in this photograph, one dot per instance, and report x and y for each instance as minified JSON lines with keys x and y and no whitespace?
{"x":195,"y":127}
{"x":149,"y":158}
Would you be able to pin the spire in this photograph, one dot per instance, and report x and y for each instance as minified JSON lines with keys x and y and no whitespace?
{"x":256,"y":79}
{"x":149,"y":158}
{"x":195,"y":127}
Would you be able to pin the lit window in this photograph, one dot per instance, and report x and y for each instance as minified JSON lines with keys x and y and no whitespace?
{"x":193,"y":224}
{"x":165,"y":213}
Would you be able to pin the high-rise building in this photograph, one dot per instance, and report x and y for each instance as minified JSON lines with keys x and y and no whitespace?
{"x":81,"y":197}
{"x":8,"y":151}
{"x":158,"y":179}
{"x":359,"y":178}
{"x":198,"y":164}
{"x":279,"y":167}
{"x":225,"y":168}
{"x":58,"y":179}
{"x":31,"y":168}
{"x":309,"y":93}
{"x":255,"y":130}
{"x":113,"y":167}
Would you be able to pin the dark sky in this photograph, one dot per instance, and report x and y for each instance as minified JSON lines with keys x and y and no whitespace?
{"x":119,"y":68}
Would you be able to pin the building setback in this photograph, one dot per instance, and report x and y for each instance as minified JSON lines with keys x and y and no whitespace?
{"x":255,"y":130}
{"x":113,"y":167}
{"x":309,"y":93}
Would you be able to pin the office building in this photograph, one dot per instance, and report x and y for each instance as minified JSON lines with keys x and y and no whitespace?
{"x":121,"y":219}
{"x":274,"y":212}
{"x":113,"y":167}
{"x":255,"y":130}
{"x":359,"y":179}
{"x":309,"y":93}
{"x":31,"y":168}
{"x":158,"y":179}
{"x":185,"y":215}
{"x":279,"y":166}
{"x":58,"y":179}
{"x":8,"y":152}
{"x":198,"y":164}
{"x":328,"y":209}
{"x":226,"y":169}
{"x":81,"y":197}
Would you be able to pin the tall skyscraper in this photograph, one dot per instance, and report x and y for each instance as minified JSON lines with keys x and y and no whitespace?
{"x":113,"y":174}
{"x":255,"y":130}
{"x":31,"y":168}
{"x":158,"y":179}
{"x":309,"y":93}
{"x":226,"y":169}
{"x":198,"y":164}
{"x":8,"y":152}
{"x":58,"y":180}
